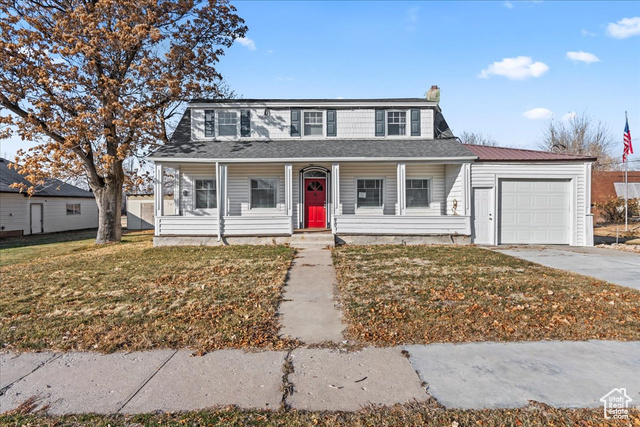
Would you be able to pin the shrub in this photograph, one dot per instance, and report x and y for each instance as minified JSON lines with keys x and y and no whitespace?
{"x":612,"y":210}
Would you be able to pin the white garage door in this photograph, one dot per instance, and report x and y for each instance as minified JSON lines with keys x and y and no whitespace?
{"x":534,"y":211}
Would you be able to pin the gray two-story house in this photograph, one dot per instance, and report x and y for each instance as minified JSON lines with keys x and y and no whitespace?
{"x":361,"y":170}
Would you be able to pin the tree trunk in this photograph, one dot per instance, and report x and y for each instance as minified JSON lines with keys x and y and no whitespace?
{"x":109,"y":199}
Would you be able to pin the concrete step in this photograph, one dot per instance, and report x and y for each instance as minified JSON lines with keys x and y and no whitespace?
{"x":308,"y":240}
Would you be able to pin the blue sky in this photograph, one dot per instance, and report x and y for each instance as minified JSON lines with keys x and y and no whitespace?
{"x":503,"y":67}
{"x":399,"y":49}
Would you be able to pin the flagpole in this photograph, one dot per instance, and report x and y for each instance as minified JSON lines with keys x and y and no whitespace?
{"x":626,"y":187}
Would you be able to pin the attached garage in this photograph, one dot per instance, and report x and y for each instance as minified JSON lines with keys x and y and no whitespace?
{"x":534,"y":211}
{"x":530,"y":197}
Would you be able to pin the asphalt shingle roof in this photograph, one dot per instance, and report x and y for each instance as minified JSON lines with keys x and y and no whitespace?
{"x":52,"y":188}
{"x":181,"y":146}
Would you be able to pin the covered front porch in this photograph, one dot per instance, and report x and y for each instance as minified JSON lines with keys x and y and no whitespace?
{"x":266,"y":202}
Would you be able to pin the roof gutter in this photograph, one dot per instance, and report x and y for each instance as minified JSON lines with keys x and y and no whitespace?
{"x":452,"y":160}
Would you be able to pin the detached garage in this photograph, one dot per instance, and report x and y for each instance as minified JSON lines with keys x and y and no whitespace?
{"x":530,"y":197}
{"x":55,"y":206}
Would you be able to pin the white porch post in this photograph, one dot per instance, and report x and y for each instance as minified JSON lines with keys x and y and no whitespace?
{"x":288,"y":193}
{"x":158,"y":190}
{"x":219,"y":210}
{"x":402,"y":189}
{"x":221,"y":194}
{"x":335,"y":195}
{"x":177,"y":196}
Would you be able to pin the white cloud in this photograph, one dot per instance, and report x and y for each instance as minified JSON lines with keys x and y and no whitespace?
{"x":518,"y":68}
{"x":285,"y":79}
{"x":569,"y":116}
{"x":581,"y":56}
{"x":538,"y":113}
{"x":586,"y":33}
{"x":245,"y":41}
{"x":508,"y":4}
{"x":626,"y":27}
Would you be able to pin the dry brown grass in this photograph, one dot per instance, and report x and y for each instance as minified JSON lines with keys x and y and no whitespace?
{"x":417,"y":414}
{"x":131,"y":296}
{"x":422,"y":294}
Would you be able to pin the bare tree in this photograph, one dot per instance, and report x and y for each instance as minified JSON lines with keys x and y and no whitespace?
{"x":581,"y":135}
{"x":477,"y":139}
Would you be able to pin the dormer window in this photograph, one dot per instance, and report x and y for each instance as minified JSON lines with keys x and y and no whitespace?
{"x":313,"y":123}
{"x":396,"y":123}
{"x":227,"y":123}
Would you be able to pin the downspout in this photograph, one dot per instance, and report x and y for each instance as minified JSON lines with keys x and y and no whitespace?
{"x":219,"y":210}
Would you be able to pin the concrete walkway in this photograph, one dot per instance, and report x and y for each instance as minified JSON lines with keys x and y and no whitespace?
{"x":475,"y":375}
{"x":308,"y":310}
{"x":621,"y":268}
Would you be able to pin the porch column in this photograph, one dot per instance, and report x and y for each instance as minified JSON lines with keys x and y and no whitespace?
{"x":401,"y":207}
{"x":335,"y":195}
{"x":177,"y":192}
{"x":158,"y":197}
{"x":218,"y":203}
{"x":288,"y":193}
{"x":466,"y":188}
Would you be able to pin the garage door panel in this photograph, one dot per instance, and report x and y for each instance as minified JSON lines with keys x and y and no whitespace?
{"x":534,"y":211}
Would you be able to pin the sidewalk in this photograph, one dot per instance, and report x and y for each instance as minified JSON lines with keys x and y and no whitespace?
{"x":474,"y":375}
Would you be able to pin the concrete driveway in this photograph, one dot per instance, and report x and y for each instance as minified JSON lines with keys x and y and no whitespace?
{"x":621,"y":268}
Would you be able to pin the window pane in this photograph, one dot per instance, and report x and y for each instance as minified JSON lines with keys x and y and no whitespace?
{"x":369,"y":193}
{"x":396,"y":123}
{"x":206,"y":194}
{"x":313,"y":124}
{"x":417,"y":193}
{"x":263,"y":193}
{"x":227,"y":123}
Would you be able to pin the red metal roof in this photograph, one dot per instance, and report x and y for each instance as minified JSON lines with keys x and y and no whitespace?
{"x":498,"y":154}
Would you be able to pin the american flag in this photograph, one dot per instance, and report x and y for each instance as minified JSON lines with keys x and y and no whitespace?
{"x":628,"y":148}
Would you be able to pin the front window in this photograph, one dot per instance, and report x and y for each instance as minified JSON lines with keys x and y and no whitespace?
{"x":313,"y":124}
{"x":396,"y":123}
{"x":263,"y":192}
{"x":209,"y":124}
{"x":73,"y":209}
{"x":227,"y":123}
{"x":206,"y":194}
{"x":369,"y":192}
{"x":417,"y":193}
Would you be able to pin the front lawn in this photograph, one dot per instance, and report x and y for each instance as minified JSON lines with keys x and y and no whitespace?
{"x":130,"y":296}
{"x":395,"y":295}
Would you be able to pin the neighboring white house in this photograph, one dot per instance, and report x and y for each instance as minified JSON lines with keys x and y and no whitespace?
{"x":365,"y":170}
{"x":56,"y":206}
{"x":140,"y":214}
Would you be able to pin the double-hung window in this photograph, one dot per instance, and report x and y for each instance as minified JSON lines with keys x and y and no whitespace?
{"x":418,"y":193}
{"x":313,"y":123}
{"x":206,"y":194}
{"x":396,"y":123}
{"x":227,"y":123}
{"x":264,"y":192}
{"x":369,"y":193}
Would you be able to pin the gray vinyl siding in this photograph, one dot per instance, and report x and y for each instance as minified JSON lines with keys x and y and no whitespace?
{"x":436,"y":174}
{"x":15,"y":213}
{"x":188,"y":175}
{"x":486,"y":175}
{"x":350,"y":172}
{"x":238,"y":188}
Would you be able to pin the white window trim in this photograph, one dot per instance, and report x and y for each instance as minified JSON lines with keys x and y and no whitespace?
{"x":204,"y":123}
{"x":267,"y":210}
{"x":238,"y":124}
{"x":323,"y":127}
{"x":193,"y":193}
{"x":369,"y":209}
{"x":428,"y":178}
{"x":74,"y":212}
{"x":407,"y":123}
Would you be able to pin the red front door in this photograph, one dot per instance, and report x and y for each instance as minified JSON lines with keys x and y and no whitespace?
{"x":315,"y":197}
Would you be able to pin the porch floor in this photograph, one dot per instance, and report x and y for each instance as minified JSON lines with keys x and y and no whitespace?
{"x":311,"y":230}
